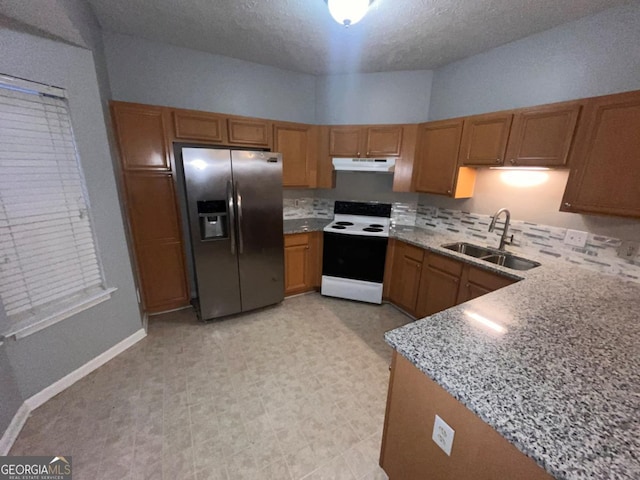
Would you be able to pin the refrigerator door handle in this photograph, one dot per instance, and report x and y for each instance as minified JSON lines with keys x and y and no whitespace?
{"x":232,"y":217}
{"x":239,"y":204}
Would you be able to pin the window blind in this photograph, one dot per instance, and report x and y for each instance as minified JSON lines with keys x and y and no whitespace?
{"x":47,"y":247}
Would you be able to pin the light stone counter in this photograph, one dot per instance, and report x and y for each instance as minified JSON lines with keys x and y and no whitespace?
{"x":552,"y":362}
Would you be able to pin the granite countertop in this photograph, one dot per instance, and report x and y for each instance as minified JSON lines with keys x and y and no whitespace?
{"x":552,"y":363}
{"x":302,"y":225}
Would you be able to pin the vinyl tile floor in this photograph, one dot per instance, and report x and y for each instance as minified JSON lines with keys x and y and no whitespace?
{"x":295,"y":391}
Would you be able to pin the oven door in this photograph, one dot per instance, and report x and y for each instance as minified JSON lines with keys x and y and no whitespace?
{"x":354,"y":257}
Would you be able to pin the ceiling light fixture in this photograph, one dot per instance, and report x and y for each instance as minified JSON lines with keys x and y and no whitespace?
{"x":348,"y":12}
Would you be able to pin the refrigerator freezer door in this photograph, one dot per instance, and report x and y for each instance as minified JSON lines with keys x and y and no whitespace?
{"x":208,"y":183}
{"x":258,"y":190}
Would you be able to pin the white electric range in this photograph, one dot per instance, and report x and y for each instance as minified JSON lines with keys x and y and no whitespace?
{"x":354,"y":251}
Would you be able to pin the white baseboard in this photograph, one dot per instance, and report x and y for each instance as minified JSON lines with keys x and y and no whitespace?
{"x":14,"y":428}
{"x":31,"y":403}
{"x":68,"y":380}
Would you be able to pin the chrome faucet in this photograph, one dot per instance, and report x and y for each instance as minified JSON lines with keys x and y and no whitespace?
{"x":492,"y":226}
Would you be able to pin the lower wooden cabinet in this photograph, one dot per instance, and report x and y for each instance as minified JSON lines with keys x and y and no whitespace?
{"x":406,"y":270}
{"x":423,"y":283}
{"x":409,"y":453}
{"x":476,"y":282}
{"x":302,"y":262}
{"x":439,"y":285}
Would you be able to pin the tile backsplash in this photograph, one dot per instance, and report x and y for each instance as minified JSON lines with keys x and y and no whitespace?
{"x":600,"y":252}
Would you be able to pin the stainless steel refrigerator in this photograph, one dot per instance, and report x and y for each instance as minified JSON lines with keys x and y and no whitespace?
{"x":234,"y":206}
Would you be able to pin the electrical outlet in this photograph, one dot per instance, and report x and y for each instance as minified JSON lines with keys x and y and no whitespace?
{"x":576,"y":238}
{"x":628,"y":249}
{"x":443,"y":435}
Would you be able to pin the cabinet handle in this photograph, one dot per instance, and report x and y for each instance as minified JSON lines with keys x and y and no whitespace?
{"x":498,"y":160}
{"x":567,"y":204}
{"x":513,"y":161}
{"x":307,"y":247}
{"x":467,"y":285}
{"x":449,"y":192}
{"x":358,"y":154}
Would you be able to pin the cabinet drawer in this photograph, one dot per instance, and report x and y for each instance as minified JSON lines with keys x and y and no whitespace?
{"x":445,"y":264}
{"x":415,"y":253}
{"x":490,"y":281}
{"x":296,"y":239}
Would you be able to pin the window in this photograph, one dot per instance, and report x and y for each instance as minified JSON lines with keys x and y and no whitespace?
{"x":49,"y":267}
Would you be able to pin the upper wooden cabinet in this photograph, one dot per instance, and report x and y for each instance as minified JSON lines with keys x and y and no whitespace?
{"x":345,"y":141}
{"x":365,"y":141}
{"x":605,"y":163}
{"x":191,"y":125}
{"x":142,"y":136}
{"x":384,"y":141}
{"x":298,"y":144}
{"x":484,"y":139}
{"x":250,"y":132}
{"x":542,"y":136}
{"x":436,"y":170}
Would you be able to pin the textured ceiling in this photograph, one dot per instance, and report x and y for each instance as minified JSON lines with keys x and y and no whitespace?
{"x":300,"y":35}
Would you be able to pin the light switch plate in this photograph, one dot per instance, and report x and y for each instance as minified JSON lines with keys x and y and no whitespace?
{"x":443,"y":435}
{"x":576,"y":238}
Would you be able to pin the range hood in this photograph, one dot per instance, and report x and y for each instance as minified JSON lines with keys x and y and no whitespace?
{"x":380,"y":165}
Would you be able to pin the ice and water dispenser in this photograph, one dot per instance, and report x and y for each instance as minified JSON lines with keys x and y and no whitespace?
{"x":213,"y":218}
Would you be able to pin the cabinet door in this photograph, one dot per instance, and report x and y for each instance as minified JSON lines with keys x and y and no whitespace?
{"x":438,"y":147}
{"x":297,"y":146}
{"x":297,"y":272}
{"x":141,"y":133}
{"x":605,"y":164}
{"x":542,"y":136}
{"x":384,"y":141}
{"x":477,"y":282}
{"x":484,"y":139}
{"x":155,"y":227}
{"x":248,"y":132}
{"x":439,"y":285}
{"x":199,"y":126}
{"x":345,"y":141}
{"x":405,"y":281}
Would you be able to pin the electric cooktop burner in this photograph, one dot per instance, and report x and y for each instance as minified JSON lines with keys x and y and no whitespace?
{"x":339,"y":227}
{"x":370,"y":229}
{"x":376,"y":225}
{"x":346,"y":224}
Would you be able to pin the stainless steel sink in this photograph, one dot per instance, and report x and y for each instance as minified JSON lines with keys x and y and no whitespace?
{"x":470,"y":249}
{"x":491,"y":255}
{"x":511,"y":261}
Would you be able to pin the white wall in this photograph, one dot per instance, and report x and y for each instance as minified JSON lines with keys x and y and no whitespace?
{"x":46,"y":356}
{"x":389,"y":97}
{"x":154,"y":73}
{"x":592,"y":56}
